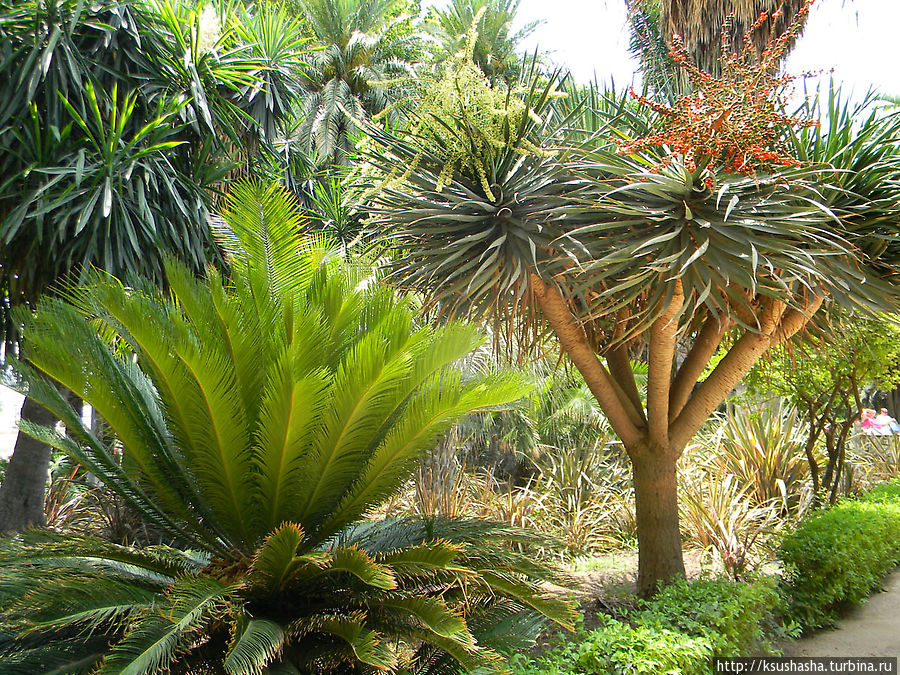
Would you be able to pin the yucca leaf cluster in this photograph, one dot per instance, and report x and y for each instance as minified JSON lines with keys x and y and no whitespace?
{"x":618,"y":233}
{"x":259,"y":419}
{"x":120,"y":121}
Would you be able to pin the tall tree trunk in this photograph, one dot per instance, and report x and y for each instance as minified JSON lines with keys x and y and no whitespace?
{"x":677,"y":405}
{"x":22,"y":491}
{"x":656,"y":510}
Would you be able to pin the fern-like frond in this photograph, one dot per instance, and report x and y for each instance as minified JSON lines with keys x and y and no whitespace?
{"x":152,"y":642}
{"x":275,"y":559}
{"x":268,"y":238}
{"x":433,"y":615}
{"x":258,"y":643}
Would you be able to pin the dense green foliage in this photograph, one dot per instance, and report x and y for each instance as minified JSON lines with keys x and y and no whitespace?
{"x":619,"y":649}
{"x":616,"y":648}
{"x":838,"y":556}
{"x":119,"y":124}
{"x":736,"y":618}
{"x":261,"y":417}
{"x":679,"y":631}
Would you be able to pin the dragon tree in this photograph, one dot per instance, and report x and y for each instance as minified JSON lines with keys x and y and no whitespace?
{"x":694,"y":236}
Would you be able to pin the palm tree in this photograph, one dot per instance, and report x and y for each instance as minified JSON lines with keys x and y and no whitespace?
{"x":496,"y":47}
{"x":260,"y":418}
{"x":363,"y":67}
{"x":620,"y":253}
{"x":700,"y":23}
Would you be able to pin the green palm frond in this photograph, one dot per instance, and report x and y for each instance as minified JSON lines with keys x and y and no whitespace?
{"x":363,"y":68}
{"x":861,"y":142}
{"x":366,"y":646}
{"x":257,"y":644}
{"x":151,"y":644}
{"x":57,"y":659}
{"x":276,"y":559}
{"x":495,"y":47}
{"x":257,"y":418}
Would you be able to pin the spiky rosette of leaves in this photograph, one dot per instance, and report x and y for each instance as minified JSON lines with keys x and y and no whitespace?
{"x":862,"y":144}
{"x":260,"y":418}
{"x":482,"y":198}
{"x":753,"y":241}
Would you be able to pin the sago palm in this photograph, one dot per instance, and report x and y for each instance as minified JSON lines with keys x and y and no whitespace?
{"x":259,"y":419}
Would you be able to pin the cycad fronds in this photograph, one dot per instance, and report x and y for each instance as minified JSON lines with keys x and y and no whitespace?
{"x":260,"y":418}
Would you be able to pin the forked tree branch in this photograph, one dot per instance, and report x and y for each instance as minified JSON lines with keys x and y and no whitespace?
{"x":779,"y":324}
{"x":574,"y":343}
{"x":663,"y":336}
{"x":623,"y":375}
{"x":708,"y":339}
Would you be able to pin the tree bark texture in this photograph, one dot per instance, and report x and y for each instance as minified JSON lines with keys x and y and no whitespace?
{"x":23,"y":489}
{"x":660,"y":558}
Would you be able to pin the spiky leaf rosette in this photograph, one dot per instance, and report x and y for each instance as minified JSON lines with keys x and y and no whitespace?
{"x":862,"y":143}
{"x":260,"y":418}
{"x":482,"y":200}
{"x":729,"y":251}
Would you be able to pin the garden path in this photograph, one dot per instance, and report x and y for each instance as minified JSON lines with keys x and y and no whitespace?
{"x":871,"y":629}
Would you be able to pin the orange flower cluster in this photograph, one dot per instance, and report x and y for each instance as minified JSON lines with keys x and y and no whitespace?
{"x":734,"y":120}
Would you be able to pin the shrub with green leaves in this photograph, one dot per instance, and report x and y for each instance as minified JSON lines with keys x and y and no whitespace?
{"x":258,"y":419}
{"x":736,"y":618}
{"x":888,"y":493}
{"x":619,"y":649}
{"x":616,"y":648}
{"x":678,"y":632}
{"x":838,"y":556}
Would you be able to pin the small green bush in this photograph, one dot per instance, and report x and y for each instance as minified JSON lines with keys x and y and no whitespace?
{"x":678,"y":632}
{"x":880,"y":494}
{"x":616,"y":648}
{"x":837,"y":556}
{"x":619,"y":649}
{"x":736,"y":618}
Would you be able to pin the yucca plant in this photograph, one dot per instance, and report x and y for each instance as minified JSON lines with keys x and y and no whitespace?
{"x":722,"y":518}
{"x":440,"y":485}
{"x":764,"y":449}
{"x":260,"y":418}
